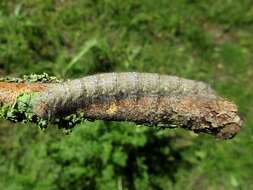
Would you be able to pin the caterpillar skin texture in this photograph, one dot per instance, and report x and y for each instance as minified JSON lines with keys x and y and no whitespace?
{"x":143,"y":98}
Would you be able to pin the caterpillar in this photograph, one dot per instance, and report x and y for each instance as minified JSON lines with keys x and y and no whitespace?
{"x":142,"y":98}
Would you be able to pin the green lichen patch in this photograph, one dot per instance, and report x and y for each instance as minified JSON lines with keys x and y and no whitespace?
{"x":44,"y":78}
{"x":68,"y":122}
{"x":11,"y":79}
{"x":21,"y":110}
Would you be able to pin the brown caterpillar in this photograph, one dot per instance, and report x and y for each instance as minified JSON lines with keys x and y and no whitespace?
{"x":143,"y":98}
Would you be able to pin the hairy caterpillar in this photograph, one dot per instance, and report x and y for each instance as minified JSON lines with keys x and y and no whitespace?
{"x":144,"y":98}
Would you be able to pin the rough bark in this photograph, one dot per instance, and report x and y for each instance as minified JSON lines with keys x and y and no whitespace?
{"x":143,"y":98}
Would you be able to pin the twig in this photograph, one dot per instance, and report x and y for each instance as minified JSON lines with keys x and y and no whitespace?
{"x":143,"y":98}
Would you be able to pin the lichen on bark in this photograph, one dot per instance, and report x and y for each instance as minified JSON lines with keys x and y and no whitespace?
{"x":21,"y":110}
{"x":143,"y":98}
{"x":44,"y":77}
{"x":19,"y":107}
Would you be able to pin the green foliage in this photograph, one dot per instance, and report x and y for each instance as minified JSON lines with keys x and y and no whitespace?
{"x":205,"y":40}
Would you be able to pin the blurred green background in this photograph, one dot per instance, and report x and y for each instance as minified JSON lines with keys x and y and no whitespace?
{"x":204,"y":40}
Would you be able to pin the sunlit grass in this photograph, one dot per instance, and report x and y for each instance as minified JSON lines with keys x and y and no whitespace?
{"x":203,"y":40}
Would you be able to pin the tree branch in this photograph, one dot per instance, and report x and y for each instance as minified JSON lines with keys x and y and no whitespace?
{"x":143,"y":98}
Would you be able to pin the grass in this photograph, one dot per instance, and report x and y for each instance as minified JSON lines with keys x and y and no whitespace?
{"x":202,"y":40}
